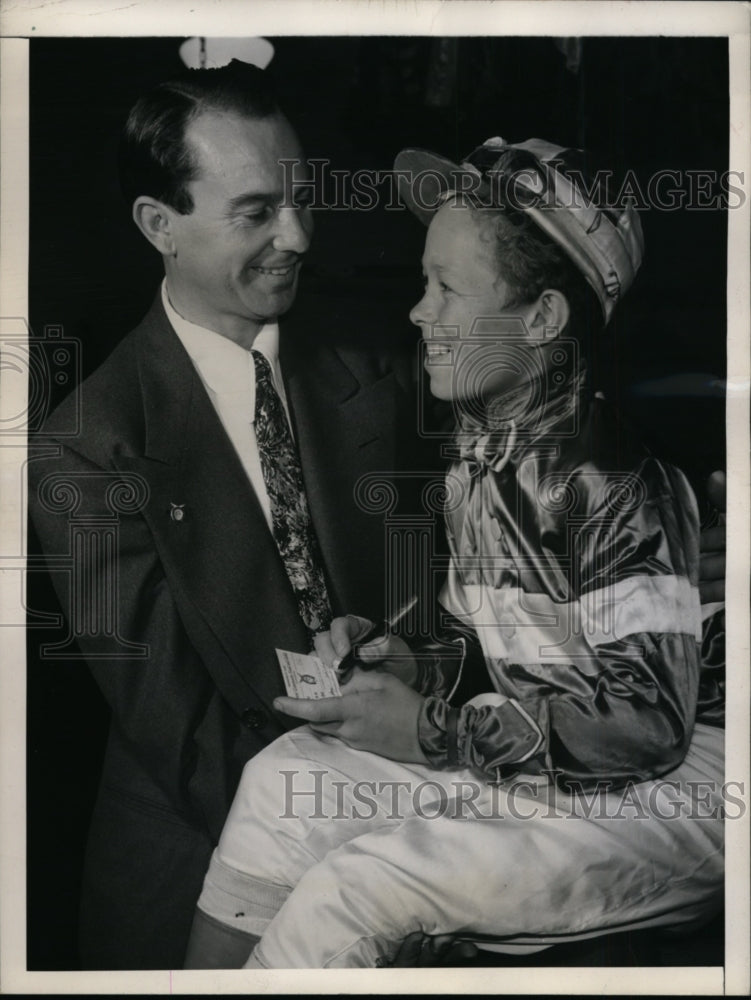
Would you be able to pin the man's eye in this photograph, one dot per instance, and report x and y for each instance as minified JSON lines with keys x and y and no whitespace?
{"x":262,"y":214}
{"x":304,"y":198}
{"x":442,"y":286}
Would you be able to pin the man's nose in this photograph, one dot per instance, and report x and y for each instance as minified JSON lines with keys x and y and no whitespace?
{"x":420,"y":313}
{"x":294,"y":230}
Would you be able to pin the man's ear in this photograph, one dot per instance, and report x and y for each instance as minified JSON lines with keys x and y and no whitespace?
{"x":550,"y":311}
{"x":154,"y":219}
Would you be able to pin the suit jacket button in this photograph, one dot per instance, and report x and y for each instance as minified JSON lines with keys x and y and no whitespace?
{"x":254,"y":718}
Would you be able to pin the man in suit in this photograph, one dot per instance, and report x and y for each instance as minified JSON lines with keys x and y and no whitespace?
{"x":179,"y":592}
{"x":184,"y":579}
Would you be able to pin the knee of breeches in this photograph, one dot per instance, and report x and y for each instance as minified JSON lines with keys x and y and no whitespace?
{"x":270,"y":778}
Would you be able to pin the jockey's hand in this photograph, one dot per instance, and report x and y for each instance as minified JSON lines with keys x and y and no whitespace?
{"x":375,"y":712}
{"x":389,"y":653}
{"x":421,"y":950}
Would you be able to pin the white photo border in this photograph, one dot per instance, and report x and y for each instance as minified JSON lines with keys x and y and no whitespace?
{"x":75,"y":18}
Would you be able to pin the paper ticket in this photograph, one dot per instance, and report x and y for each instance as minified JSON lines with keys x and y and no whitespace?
{"x":306,"y":676}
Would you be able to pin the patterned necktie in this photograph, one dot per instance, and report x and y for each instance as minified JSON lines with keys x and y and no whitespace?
{"x":291,"y":524}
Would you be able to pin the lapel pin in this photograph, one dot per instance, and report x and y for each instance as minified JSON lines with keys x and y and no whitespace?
{"x":177,"y":511}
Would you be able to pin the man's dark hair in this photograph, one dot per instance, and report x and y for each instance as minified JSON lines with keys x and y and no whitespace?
{"x":154,"y":158}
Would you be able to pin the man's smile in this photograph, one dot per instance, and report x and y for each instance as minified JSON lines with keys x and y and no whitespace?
{"x":435,"y":351}
{"x":280,"y":271}
{"x":284,"y":268}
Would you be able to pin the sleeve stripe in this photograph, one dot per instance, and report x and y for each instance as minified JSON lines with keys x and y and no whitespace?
{"x":528,"y":628}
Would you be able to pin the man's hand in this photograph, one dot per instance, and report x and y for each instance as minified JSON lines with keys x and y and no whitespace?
{"x":421,"y":950}
{"x":389,"y":653}
{"x":713,"y":545}
{"x":377,"y":712}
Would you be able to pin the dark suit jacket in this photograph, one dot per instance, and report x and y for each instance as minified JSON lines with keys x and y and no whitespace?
{"x":205,"y":599}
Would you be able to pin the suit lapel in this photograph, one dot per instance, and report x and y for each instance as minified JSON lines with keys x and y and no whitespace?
{"x":218,"y":553}
{"x":344,"y":429}
{"x":219,"y":556}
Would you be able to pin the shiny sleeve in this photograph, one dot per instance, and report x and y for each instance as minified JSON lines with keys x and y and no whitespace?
{"x":623,"y":707}
{"x":451,"y":664}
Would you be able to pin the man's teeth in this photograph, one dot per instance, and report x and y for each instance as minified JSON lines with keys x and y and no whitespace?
{"x":273,"y":270}
{"x":437,"y":350}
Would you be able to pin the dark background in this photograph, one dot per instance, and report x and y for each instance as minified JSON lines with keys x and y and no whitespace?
{"x":644,"y":104}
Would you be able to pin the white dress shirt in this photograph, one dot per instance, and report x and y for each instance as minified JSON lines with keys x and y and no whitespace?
{"x":228,"y":373}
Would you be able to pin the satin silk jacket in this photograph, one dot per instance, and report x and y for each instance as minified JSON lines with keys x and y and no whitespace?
{"x":575,"y":560}
{"x":178,"y":598}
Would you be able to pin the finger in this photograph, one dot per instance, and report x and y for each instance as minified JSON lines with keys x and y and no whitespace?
{"x":325,"y":649}
{"x":711,"y":568}
{"x":713,"y":539}
{"x":440,"y":944}
{"x":353,"y":678}
{"x":446,"y":949}
{"x":383,"y":648}
{"x":443,"y":950}
{"x":409,"y":952}
{"x":459,"y":951}
{"x":311,"y":709}
{"x":717,"y":489}
{"x":363,"y":680}
{"x":436,"y":950}
{"x":345,"y":631}
{"x":712,"y":592}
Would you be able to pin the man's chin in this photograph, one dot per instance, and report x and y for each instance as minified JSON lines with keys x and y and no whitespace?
{"x":272,"y":306}
{"x":442,"y":387}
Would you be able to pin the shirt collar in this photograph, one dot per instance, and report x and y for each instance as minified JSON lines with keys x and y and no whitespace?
{"x":224,"y":366}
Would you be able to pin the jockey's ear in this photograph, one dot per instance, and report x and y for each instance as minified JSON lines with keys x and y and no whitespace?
{"x":550,"y":311}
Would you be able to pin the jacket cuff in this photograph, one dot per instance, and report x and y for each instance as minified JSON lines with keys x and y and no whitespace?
{"x":437,"y":733}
